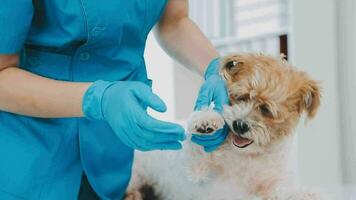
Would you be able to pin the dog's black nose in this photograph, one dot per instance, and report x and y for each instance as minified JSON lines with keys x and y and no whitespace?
{"x":240,"y":127}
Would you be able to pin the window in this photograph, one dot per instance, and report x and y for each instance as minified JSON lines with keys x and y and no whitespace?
{"x":244,"y":25}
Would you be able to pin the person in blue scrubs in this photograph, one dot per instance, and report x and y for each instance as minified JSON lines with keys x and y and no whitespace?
{"x":74,"y":92}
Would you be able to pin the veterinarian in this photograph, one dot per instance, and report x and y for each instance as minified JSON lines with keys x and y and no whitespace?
{"x":74,"y":92}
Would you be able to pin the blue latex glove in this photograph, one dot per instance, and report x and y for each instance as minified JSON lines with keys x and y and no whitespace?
{"x":213,"y":90}
{"x":211,"y":142}
{"x":123,"y":105}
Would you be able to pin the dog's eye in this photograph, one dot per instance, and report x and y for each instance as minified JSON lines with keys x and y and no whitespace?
{"x":230,"y":65}
{"x":243,"y":98}
{"x":265,"y":111}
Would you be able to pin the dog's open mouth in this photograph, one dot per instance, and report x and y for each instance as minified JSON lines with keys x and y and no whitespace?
{"x":241,"y":142}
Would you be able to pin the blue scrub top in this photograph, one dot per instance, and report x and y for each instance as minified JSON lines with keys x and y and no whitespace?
{"x":70,"y":40}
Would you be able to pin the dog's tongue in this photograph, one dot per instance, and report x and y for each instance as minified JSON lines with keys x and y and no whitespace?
{"x":241,"y":142}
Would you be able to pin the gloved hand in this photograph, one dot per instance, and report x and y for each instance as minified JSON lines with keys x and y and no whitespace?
{"x":211,"y":142}
{"x":123,"y":105}
{"x":213,"y":90}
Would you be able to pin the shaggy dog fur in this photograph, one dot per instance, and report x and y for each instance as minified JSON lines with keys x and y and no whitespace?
{"x":267,"y":98}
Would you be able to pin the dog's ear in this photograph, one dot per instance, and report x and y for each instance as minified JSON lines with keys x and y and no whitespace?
{"x":309,"y":95}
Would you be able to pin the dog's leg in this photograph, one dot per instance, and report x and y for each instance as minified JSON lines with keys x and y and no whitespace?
{"x":140,"y":189}
{"x":141,"y":185}
{"x":137,"y":180}
{"x":204,"y":122}
{"x":133,"y":195}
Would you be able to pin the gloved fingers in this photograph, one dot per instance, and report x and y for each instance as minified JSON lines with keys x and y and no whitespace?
{"x":146,"y":123}
{"x":204,"y":143}
{"x":145,"y":95}
{"x":167,"y":129}
{"x":204,"y":98}
{"x":135,"y":138}
{"x":213,"y":136}
{"x":209,"y":140}
{"x":143,"y":139}
{"x":139,"y":138}
{"x":161,"y":137}
{"x":153,"y":124}
{"x":221,"y":98}
{"x":128,"y":139}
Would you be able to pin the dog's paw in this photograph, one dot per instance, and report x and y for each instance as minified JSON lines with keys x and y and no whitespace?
{"x":205,"y":121}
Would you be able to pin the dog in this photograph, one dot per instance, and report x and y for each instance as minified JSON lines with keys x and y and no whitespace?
{"x":268,"y":96}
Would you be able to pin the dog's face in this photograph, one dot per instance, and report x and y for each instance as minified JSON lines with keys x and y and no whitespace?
{"x":267,"y":98}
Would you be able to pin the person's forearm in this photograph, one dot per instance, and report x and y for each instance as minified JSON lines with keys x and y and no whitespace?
{"x":25,"y":93}
{"x":184,"y":41}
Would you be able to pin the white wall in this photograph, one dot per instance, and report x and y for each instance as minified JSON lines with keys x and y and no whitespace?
{"x":160,"y":70}
{"x":314,"y":50}
{"x":347,"y":86}
{"x":175,"y":84}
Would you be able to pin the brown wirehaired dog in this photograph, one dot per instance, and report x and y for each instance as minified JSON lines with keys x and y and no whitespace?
{"x":267,"y":98}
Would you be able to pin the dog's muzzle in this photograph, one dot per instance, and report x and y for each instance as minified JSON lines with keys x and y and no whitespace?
{"x":240,"y":128}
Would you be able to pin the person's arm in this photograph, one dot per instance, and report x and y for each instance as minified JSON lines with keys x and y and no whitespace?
{"x":122,"y":104}
{"x":182,"y":39}
{"x":25,"y":93}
